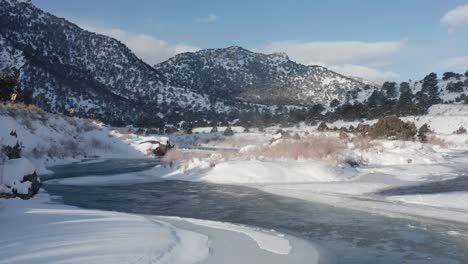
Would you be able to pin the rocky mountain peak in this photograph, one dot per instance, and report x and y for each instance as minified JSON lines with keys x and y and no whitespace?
{"x":237,"y":73}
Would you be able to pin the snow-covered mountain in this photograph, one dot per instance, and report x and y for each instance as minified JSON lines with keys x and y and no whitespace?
{"x":66,"y":66}
{"x":235,"y":72}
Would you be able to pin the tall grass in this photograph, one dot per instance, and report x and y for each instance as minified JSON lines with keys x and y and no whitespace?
{"x":313,"y":148}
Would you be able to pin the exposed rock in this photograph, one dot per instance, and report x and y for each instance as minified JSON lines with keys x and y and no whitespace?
{"x":19,"y":179}
{"x":12,"y":152}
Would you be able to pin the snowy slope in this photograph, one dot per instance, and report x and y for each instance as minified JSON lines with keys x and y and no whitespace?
{"x":48,"y":139}
{"x":446,"y":95}
{"x":38,"y":231}
{"x":235,"y":72}
{"x":66,"y":66}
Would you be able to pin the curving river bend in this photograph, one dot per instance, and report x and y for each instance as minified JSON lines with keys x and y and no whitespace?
{"x":349,"y":236}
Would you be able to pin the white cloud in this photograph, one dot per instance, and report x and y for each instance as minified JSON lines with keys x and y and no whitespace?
{"x":456,"y":63}
{"x":209,"y":19}
{"x":335,"y":52}
{"x":149,"y":48}
{"x":346,"y":57}
{"x":367,"y":73}
{"x":456,"y":16}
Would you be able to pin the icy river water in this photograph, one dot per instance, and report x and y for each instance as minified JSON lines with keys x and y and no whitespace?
{"x":349,"y":236}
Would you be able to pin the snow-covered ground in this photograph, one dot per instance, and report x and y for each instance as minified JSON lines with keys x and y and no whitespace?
{"x":316,"y":167}
{"x":43,"y":231}
{"x":49,"y":139}
{"x":39,"y":231}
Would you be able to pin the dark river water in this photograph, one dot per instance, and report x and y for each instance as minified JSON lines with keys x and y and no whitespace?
{"x":350,"y":236}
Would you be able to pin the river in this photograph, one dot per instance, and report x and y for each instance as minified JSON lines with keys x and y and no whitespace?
{"x":350,"y":236}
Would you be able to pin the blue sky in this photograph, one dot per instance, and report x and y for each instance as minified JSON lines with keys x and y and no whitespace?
{"x":378,"y":40}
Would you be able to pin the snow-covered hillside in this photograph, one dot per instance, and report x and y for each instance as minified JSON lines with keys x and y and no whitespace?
{"x":235,"y":72}
{"x":65,"y":66}
{"x":48,"y":139}
{"x":451,"y":91}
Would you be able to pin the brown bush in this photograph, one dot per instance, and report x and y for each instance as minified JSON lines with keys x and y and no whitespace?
{"x":391,"y":127}
{"x":343,"y":135}
{"x":319,"y":148}
{"x":363,"y":142}
{"x":433,"y":140}
{"x":423,"y":131}
{"x":460,"y":131}
{"x":175,"y":154}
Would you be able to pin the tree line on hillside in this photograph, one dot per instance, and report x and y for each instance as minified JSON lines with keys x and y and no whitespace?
{"x":390,"y":99}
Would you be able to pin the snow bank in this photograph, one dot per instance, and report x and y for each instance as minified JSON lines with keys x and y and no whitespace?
{"x":267,"y":240}
{"x":232,"y":172}
{"x":247,"y":172}
{"x":51,"y":139}
{"x":37,"y":231}
{"x":393,"y":152}
{"x":448,"y":110}
{"x":12,"y":173}
{"x":443,"y":119}
{"x":456,"y":200}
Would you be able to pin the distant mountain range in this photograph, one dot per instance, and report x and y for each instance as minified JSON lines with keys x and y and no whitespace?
{"x":64,"y":66}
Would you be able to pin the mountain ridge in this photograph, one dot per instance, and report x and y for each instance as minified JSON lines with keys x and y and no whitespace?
{"x":256,"y":77}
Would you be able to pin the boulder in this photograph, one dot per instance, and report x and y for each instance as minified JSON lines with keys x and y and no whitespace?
{"x":158,"y":147}
{"x":18,"y":178}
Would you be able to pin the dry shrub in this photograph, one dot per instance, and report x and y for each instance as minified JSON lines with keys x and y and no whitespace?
{"x":25,"y":112}
{"x":318,"y":148}
{"x":175,"y":155}
{"x":391,"y":127}
{"x":460,"y":131}
{"x":363,"y":142}
{"x":437,"y":141}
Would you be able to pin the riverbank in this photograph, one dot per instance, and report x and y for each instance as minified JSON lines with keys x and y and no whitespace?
{"x":43,"y":230}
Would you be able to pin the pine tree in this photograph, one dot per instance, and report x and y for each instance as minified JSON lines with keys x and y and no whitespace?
{"x":390,"y":89}
{"x":430,"y":89}
{"x":405,"y":101}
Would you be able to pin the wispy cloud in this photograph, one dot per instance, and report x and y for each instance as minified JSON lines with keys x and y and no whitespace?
{"x":456,"y":16}
{"x":347,"y":57}
{"x":456,"y":63}
{"x":208,"y":19}
{"x":149,"y":48}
